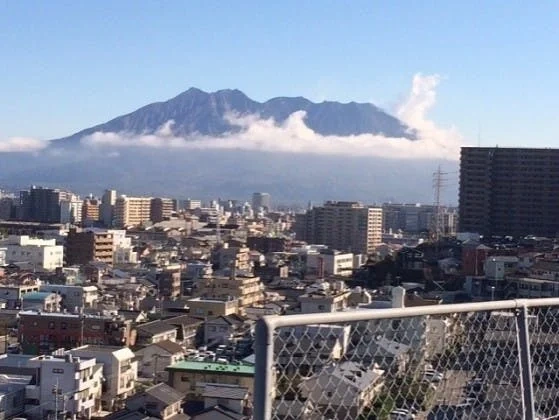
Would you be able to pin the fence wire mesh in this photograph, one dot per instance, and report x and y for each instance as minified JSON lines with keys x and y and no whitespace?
{"x":454,"y":366}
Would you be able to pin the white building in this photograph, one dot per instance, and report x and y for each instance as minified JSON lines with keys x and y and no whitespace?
{"x":330,"y":263}
{"x":120,"y":371}
{"x":346,"y":388}
{"x":73,"y":296}
{"x":40,"y":253}
{"x":3,"y":256}
{"x":156,"y":357}
{"x":71,"y":210}
{"x":67,"y":383}
{"x":123,"y":251}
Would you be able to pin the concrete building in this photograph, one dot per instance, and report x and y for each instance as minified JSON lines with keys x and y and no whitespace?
{"x":67,"y":384}
{"x":162,"y":209}
{"x":7,"y":208}
{"x":131,"y":211}
{"x":41,"y":254}
{"x":91,"y":211}
{"x":190,"y":378}
{"x":13,"y":293}
{"x":261,"y":200}
{"x":345,"y":226}
{"x":44,"y":332}
{"x":123,"y":251}
{"x":120,"y":371}
{"x":190,"y":204}
{"x":71,"y":210}
{"x":106,"y":209}
{"x":40,"y":204}
{"x":41,"y":301}
{"x":509,"y":191}
{"x":330,"y":263}
{"x":73,"y":297}
{"x":12,"y":395}
{"x":212,"y":307}
{"x":167,"y":280}
{"x":324,"y":298}
{"x":85,"y":246}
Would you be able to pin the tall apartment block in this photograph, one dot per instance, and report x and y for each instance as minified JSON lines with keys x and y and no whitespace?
{"x":131,"y":211}
{"x":91,"y":210}
{"x":261,"y":200}
{"x":42,"y":204}
{"x":85,"y":246}
{"x":162,"y":209}
{"x":509,"y":191}
{"x":342,"y":225}
{"x":106,"y":209}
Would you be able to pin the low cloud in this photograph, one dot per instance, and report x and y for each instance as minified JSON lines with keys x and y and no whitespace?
{"x":294,"y":136}
{"x":21,"y":145}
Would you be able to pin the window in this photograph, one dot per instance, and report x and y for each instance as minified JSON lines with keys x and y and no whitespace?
{"x":63,"y":325}
{"x":57,"y":370}
{"x":51,"y":325}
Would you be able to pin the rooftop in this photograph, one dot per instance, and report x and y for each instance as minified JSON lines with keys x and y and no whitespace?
{"x":155,"y":327}
{"x":164,"y":393}
{"x":231,"y":392}
{"x":36,"y":295}
{"x":228,"y":368}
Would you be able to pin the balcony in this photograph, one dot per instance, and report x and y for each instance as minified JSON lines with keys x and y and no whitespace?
{"x":497,"y":359}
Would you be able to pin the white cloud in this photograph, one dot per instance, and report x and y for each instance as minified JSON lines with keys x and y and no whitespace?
{"x":22,"y":145}
{"x":294,"y":136}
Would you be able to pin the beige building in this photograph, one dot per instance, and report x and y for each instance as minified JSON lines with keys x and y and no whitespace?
{"x":132,"y":211}
{"x":213,"y":307}
{"x":247,"y":289}
{"x":342,"y":225}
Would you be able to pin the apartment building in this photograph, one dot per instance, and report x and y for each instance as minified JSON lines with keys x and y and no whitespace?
{"x":106,"y":209}
{"x":91,"y":211}
{"x":509,"y":191}
{"x":40,"y":204}
{"x":40,"y":254}
{"x":190,"y":378}
{"x":162,"y":209}
{"x":120,"y":372}
{"x":67,"y":384}
{"x":342,"y":225}
{"x":131,"y":211}
{"x":330,"y":263}
{"x":73,"y":297}
{"x":71,"y":210}
{"x":44,"y":332}
{"x":85,"y":246}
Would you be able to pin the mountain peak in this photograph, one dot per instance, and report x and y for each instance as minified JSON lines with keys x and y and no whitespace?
{"x":197,"y":111}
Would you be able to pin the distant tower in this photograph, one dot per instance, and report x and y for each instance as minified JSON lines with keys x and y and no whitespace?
{"x":439,"y":181}
{"x":261,"y":200}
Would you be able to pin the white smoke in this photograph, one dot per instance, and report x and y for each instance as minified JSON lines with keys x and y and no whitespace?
{"x":294,"y":136}
{"x":21,"y":145}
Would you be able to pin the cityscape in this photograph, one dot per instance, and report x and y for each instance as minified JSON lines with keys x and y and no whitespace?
{"x":279,"y":211}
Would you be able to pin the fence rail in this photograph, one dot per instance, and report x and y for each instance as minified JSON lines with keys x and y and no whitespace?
{"x":497,"y":359}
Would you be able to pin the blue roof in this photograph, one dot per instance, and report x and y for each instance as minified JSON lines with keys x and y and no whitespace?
{"x":36,"y":295}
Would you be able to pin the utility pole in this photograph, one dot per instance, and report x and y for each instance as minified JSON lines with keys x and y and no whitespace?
{"x":55,"y":392}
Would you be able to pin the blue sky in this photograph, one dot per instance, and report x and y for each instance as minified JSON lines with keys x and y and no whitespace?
{"x":68,"y":65}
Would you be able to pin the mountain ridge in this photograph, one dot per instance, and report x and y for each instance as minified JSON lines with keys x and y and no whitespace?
{"x":195,"y":111}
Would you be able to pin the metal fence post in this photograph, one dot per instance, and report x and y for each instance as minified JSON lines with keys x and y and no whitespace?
{"x":525,"y":363}
{"x":264,"y":380}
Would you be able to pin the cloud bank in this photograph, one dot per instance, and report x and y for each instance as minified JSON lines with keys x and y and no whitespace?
{"x":294,"y":136}
{"x":21,"y":145}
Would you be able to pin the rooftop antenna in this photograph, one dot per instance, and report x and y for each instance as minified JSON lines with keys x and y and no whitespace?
{"x":439,"y":180}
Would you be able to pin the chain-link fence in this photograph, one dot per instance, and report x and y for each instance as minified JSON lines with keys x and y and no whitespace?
{"x":490,"y":360}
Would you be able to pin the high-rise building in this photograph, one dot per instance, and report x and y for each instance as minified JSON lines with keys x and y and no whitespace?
{"x":261,"y":200}
{"x":342,"y":225}
{"x":42,"y":204}
{"x":509,"y":191}
{"x":85,"y":246}
{"x":162,"y":208}
{"x":107,"y":207}
{"x":132,"y":211}
{"x":91,"y":211}
{"x":71,"y":210}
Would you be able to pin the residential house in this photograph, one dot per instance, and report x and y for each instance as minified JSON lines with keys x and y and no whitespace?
{"x":190,"y":330}
{"x":154,"y":358}
{"x":155,"y":331}
{"x":222,"y":329}
{"x":343,"y":390}
{"x":160,"y":401}
{"x":232,"y":397}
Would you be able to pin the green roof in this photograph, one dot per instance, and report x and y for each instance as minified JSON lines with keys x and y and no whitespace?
{"x":229,"y":368}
